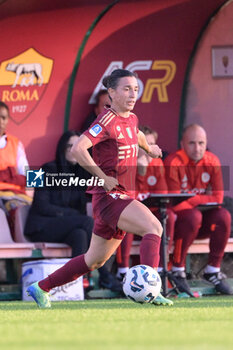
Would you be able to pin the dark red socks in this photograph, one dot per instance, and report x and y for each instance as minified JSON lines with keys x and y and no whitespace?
{"x":75,"y":268}
{"x":149,"y":250}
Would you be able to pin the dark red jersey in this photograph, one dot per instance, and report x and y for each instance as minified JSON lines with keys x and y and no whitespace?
{"x":203,"y":178}
{"x":115,"y":148}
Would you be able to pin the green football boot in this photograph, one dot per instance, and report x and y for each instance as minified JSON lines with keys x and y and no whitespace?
{"x":39,"y":295}
{"x":160,"y":300}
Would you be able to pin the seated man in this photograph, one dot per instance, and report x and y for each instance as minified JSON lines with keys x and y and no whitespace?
{"x":13,"y":163}
{"x":194,"y":169}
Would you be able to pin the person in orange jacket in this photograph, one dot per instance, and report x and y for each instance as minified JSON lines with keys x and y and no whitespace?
{"x":196,"y":170}
{"x":13,"y":164}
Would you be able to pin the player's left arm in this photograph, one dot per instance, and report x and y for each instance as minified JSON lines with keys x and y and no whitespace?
{"x":154,"y":151}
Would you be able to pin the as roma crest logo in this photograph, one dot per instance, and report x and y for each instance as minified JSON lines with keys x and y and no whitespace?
{"x":23,"y":81}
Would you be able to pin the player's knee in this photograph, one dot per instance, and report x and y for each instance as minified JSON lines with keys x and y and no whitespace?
{"x":154,"y":226}
{"x":159,"y":229}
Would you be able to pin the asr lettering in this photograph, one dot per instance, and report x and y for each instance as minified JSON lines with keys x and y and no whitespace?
{"x":154,"y":85}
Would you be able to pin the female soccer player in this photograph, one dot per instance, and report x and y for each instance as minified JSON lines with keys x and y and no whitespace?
{"x":115,"y":138}
{"x":59,"y":215}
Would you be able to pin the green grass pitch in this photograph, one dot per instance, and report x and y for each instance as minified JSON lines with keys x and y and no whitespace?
{"x":191,"y":324}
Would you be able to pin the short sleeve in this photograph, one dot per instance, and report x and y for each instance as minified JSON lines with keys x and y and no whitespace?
{"x":97,"y":132}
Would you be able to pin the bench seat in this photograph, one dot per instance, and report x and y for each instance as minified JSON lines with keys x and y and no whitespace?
{"x":20,"y":247}
{"x":199,"y":246}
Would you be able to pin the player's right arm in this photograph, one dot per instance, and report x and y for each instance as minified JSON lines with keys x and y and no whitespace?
{"x":83,"y":157}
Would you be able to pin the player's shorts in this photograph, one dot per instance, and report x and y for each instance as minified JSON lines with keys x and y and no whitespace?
{"x":107,"y":208}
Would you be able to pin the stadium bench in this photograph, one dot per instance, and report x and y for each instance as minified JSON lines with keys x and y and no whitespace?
{"x":199,"y":246}
{"x":9,"y":248}
{"x":19,"y":247}
{"x":48,"y":250}
{"x":13,"y":250}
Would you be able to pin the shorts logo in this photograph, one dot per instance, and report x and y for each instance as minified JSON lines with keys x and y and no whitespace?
{"x":35,"y":178}
{"x":124,"y":196}
{"x":114,"y":195}
{"x":117,"y":195}
{"x":95,"y":130}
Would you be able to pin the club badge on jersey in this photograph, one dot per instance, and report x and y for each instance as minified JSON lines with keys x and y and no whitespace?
{"x":95,"y":130}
